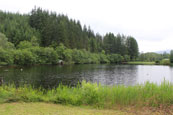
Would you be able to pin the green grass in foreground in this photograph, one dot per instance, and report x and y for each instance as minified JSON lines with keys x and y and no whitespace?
{"x":52,"y":109}
{"x":95,"y":95}
{"x":39,"y":108}
{"x":141,"y":63}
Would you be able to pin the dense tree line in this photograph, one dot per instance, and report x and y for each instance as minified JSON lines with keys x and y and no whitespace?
{"x":42,"y":31}
{"x":16,"y":27}
{"x":29,"y":53}
{"x":151,"y":56}
{"x":162,"y":59}
{"x":120,"y":45}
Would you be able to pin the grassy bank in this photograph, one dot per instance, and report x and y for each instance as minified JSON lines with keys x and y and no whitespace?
{"x":52,"y":109}
{"x":57,"y":109}
{"x":162,"y":62}
{"x":140,"y":63}
{"x":94,"y":95}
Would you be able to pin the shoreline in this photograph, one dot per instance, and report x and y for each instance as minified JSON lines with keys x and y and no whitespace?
{"x":93,"y":94}
{"x":123,"y":63}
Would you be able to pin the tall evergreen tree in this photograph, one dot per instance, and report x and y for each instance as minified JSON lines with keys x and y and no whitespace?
{"x":132,"y":47}
{"x":109,"y":43}
{"x":171,"y":57}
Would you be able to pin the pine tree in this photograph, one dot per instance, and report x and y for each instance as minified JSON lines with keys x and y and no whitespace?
{"x":171,"y":57}
{"x":132,"y":48}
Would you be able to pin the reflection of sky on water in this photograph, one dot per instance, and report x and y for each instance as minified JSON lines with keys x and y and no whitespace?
{"x":155,"y":74}
{"x":171,"y":73}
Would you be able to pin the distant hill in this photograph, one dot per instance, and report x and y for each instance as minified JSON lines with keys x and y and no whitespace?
{"x":161,"y":52}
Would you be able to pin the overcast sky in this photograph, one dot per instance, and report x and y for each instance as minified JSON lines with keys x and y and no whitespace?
{"x":149,"y":21}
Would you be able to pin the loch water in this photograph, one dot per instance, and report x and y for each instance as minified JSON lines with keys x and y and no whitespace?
{"x":48,"y":76}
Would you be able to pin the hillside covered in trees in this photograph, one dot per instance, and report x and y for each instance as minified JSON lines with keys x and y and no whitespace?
{"x":44,"y":37}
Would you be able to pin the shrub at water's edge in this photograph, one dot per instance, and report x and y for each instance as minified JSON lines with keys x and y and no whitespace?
{"x":92,"y":94}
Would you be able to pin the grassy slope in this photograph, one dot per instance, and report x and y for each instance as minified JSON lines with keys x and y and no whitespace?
{"x":141,"y":63}
{"x":51,"y":109}
{"x":56,"y":109}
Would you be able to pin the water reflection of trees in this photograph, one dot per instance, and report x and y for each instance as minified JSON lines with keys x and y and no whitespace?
{"x":51,"y":76}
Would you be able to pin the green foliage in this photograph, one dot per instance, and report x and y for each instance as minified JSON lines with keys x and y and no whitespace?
{"x":16,"y":27}
{"x":24,"y":57}
{"x":4,"y":42}
{"x":60,"y":51}
{"x":171,"y":57}
{"x":121,"y":44}
{"x":165,"y":62}
{"x":45,"y":55}
{"x":150,"y":56}
{"x":93,"y":58}
{"x":68,"y":55}
{"x":44,"y":28}
{"x":28,"y":44}
{"x":148,"y":94}
{"x":109,"y":43}
{"x":103,"y":57}
{"x":115,"y":58}
{"x":141,"y":63}
{"x":91,"y":93}
{"x":27,"y":54}
{"x":35,"y":41}
{"x":132,"y":47}
{"x":6,"y":56}
{"x":24,"y":45}
{"x":126,"y":58}
{"x":79,"y":56}
{"x":43,"y":37}
{"x":49,"y":56}
{"x":162,"y":59}
{"x":56,"y":29}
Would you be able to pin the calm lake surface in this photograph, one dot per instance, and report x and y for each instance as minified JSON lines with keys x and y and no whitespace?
{"x":50,"y":76}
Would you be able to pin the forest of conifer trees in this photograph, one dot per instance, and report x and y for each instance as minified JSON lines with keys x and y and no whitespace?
{"x":44,"y":37}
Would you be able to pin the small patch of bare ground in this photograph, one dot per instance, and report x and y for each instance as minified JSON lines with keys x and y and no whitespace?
{"x":162,"y":110}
